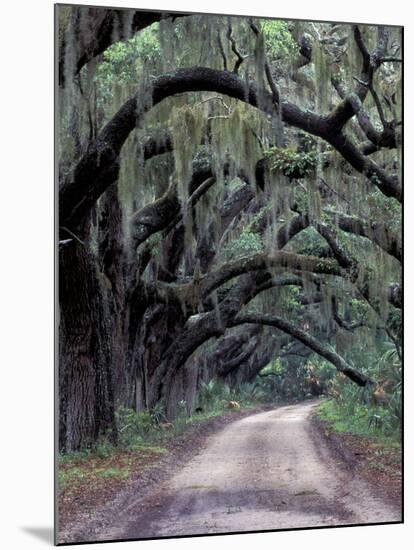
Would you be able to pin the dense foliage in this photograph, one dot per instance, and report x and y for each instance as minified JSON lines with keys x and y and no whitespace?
{"x":230,"y":219}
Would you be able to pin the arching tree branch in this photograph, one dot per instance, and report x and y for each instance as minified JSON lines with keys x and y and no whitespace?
{"x":377,"y":232}
{"x":262,"y":261}
{"x":314,"y":344}
{"x":98,"y":168}
{"x":96,"y":29}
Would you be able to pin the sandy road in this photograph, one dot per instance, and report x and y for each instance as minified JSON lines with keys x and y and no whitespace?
{"x":265,"y":471}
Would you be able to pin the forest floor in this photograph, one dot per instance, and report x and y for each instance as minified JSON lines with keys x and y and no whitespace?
{"x":87,"y":482}
{"x":378,"y":460}
{"x":242,"y":471}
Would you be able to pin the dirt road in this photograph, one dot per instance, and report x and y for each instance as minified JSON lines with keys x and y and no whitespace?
{"x":265,"y":471}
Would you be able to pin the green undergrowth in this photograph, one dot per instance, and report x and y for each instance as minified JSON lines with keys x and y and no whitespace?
{"x":363,"y":421}
{"x":138,"y":449}
{"x":144,"y":434}
{"x":104,"y":463}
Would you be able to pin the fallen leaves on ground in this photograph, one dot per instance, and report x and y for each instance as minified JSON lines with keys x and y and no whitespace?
{"x":87,"y":483}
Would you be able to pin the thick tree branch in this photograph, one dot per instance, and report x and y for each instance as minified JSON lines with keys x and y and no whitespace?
{"x":262,"y":261}
{"x":98,"y":168}
{"x":349,"y":266}
{"x":386,"y":138}
{"x":340,"y":254}
{"x":197,"y":292}
{"x":370,"y":63}
{"x":155,"y":216}
{"x":96,"y":29}
{"x":230,"y":364}
{"x":311,"y":342}
{"x":209,"y":325}
{"x":164,"y":213}
{"x":377,"y":232}
{"x":341,"y":322}
{"x":389,"y":185}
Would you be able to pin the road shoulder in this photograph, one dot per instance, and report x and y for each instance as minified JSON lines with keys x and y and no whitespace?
{"x":378,"y":464}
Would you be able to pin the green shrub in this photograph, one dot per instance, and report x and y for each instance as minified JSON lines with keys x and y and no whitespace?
{"x":135,"y":427}
{"x":103,"y":449}
{"x":250,"y":393}
{"x":369,"y":410}
{"x":291,"y":163}
{"x":212,"y":394}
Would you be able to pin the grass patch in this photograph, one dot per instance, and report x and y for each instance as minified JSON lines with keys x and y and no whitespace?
{"x":357,"y":423}
{"x":87,"y":469}
{"x":378,"y":454}
{"x":140,"y":449}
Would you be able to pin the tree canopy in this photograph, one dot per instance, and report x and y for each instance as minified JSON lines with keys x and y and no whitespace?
{"x":229,"y":189}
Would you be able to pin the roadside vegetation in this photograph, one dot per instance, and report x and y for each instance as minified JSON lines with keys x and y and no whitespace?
{"x":346,"y":409}
{"x":88,"y":477}
{"x":145,"y":432}
{"x":366,"y":443}
{"x":361,"y":411}
{"x":367,"y":422}
{"x":366,"y":426}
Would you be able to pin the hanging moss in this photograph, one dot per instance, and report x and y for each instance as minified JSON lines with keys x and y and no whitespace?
{"x":353,"y":61}
{"x":303,"y":177}
{"x":167,"y":40}
{"x":322,"y":78}
{"x":242,"y":138}
{"x":259,"y":63}
{"x":186,"y":127}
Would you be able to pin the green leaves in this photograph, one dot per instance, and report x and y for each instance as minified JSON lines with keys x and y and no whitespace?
{"x":291,"y":163}
{"x":123,"y":62}
{"x":280,"y":45}
{"x":246,"y":244}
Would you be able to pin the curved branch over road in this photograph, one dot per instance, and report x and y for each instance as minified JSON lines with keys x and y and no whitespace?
{"x":98,"y":168}
{"x":312,"y":343}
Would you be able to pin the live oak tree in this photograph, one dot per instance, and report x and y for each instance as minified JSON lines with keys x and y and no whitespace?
{"x":228,"y":188}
